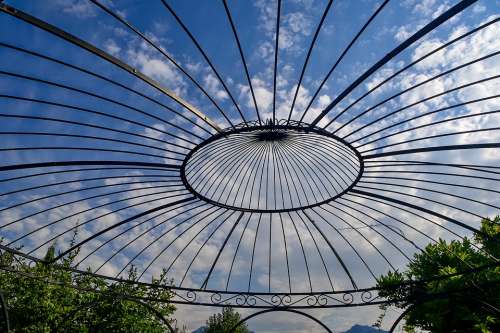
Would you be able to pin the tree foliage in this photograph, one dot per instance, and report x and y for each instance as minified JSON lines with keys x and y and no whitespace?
{"x":72,"y":304}
{"x":462,"y":303}
{"x":223,"y":322}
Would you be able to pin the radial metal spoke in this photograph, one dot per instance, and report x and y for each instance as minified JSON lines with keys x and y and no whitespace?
{"x":448,"y":14}
{"x":420,"y":59}
{"x":276,"y":49}
{"x":164,"y":53}
{"x":306,"y":61}
{"x":233,"y":28}
{"x":342,"y":55}
{"x":205,"y":56}
{"x":103,"y":55}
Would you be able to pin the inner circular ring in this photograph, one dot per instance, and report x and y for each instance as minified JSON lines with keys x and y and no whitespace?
{"x":271,"y":168}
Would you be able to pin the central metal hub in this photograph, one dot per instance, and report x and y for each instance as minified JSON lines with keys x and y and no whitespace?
{"x":271,"y":168}
{"x":271,"y":135}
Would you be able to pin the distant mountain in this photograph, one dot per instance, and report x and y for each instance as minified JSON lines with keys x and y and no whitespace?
{"x":202,"y":329}
{"x":364,"y":329}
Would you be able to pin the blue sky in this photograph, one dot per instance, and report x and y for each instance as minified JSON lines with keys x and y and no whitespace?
{"x":255,"y":23}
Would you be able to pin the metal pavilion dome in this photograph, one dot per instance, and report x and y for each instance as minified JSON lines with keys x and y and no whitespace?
{"x":243,"y":208}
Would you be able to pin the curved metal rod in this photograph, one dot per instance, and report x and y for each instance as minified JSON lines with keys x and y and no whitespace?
{"x":219,"y":167}
{"x":332,"y":157}
{"x":270,"y":251}
{"x":330,"y":148}
{"x":422,"y":209}
{"x":202,"y":52}
{"x":205,"y":282}
{"x":432,"y":149}
{"x":291,"y":161}
{"x":92,"y":137}
{"x":286,"y":254}
{"x":102,"y":114}
{"x":164,"y":53}
{"x":425,"y":56}
{"x":85,"y":189}
{"x":190,"y":219}
{"x":110,"y":100}
{"x":472,"y":167}
{"x":390,"y":228}
{"x":436,"y":136}
{"x":203,"y":245}
{"x":84,"y":180}
{"x":435,"y":182}
{"x":427,"y":124}
{"x":251,"y":166}
{"x":342,"y":55}
{"x":304,"y":160}
{"x":235,"y":170}
{"x":226,"y":150}
{"x":345,"y":154}
{"x":365,"y":238}
{"x":76,"y":170}
{"x":255,"y":168}
{"x":422,"y":198}
{"x":317,"y":249}
{"x":98,"y":217}
{"x":79,"y":163}
{"x":284,"y":166}
{"x":300,"y":163}
{"x":101,"y":77}
{"x":434,"y":191}
{"x":216,"y":171}
{"x":260,"y":162}
{"x":337,"y":255}
{"x":202,"y":157}
{"x":406,"y":211}
{"x":494,"y":77}
{"x":97,"y":234}
{"x":215,"y":147}
{"x":276,"y":49}
{"x":253,"y":252}
{"x":233,"y":28}
{"x":250,"y":162}
{"x":419,"y":84}
{"x":233,"y":329}
{"x":127,"y":230}
{"x":432,"y":173}
{"x":323,"y":166}
{"x":107,"y":57}
{"x":82,"y":149}
{"x":236,"y":251}
{"x":413,"y":228}
{"x":401,"y":316}
{"x":448,"y":14}
{"x":190,"y":241}
{"x":81,"y":200}
{"x":158,"y":237}
{"x":303,"y":251}
{"x":306,"y":61}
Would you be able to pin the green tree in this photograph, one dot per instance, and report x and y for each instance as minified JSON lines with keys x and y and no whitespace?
{"x":46,"y":298}
{"x":223,"y":322}
{"x":474,"y":305}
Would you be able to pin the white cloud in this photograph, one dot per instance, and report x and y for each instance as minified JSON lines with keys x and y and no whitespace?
{"x":81,"y":9}
{"x":213,"y":85}
{"x":112,"y":47}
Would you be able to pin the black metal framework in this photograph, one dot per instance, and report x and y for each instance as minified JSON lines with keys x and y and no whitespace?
{"x":275,"y":213}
